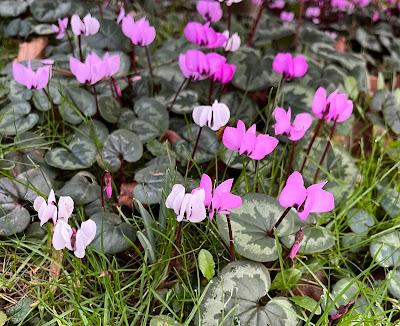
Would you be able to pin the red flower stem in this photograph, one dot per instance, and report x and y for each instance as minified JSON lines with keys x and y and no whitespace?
{"x":229,"y":19}
{"x":231,"y":242}
{"x":102,"y":191}
{"x":96,"y":99}
{"x":148,"y":57}
{"x":316,"y":132}
{"x":80,"y":47}
{"x":210,"y":91}
{"x":196,"y":144}
{"x":279,"y":221}
{"x":328,"y":144}
{"x":169,"y":108}
{"x":254,"y":27}
{"x":291,"y":159}
{"x":299,"y":22}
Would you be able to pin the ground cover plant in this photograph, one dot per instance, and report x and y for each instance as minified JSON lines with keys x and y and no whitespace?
{"x":199,"y":163}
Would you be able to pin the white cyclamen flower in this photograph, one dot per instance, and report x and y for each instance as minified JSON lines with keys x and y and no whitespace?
{"x":232,"y":43}
{"x":215,"y":116}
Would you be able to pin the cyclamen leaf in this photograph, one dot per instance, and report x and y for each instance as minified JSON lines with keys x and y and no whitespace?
{"x":206,"y":264}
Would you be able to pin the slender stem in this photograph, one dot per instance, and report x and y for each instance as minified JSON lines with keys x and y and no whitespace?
{"x":48,"y":97}
{"x":196,"y":144}
{"x":291,"y":158}
{"x":102,"y":191}
{"x":328,"y":144}
{"x":210,"y":91}
{"x":70,"y":42}
{"x":254,"y":27}
{"x":316,"y":132}
{"x":133,"y":59}
{"x":263,"y":300}
{"x":231,"y":242}
{"x":95,"y":97}
{"x":279,"y":221}
{"x":229,"y":19}
{"x":255,"y":188}
{"x":169,"y":108}
{"x":150,"y":67}
{"x":80,"y":47}
{"x":299,"y":22}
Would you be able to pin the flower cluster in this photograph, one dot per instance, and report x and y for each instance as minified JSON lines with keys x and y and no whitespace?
{"x":204,"y":35}
{"x":289,"y":66}
{"x":64,"y":236}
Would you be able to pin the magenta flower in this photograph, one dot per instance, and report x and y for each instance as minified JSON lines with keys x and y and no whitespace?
{"x":221,"y":200}
{"x":121,"y":15}
{"x":188,"y":206}
{"x":194,"y":65}
{"x":247,"y":142}
{"x":289,"y":66}
{"x":223,"y":73}
{"x":210,"y":10}
{"x":286,"y":16}
{"x":375,"y":16}
{"x":215,"y":116}
{"x":88,"y":26}
{"x":32,"y":79}
{"x":108,"y":184}
{"x":94,"y":68}
{"x":277,"y":4}
{"x":204,"y":35}
{"x":60,"y":28}
{"x":140,"y":32}
{"x":336,"y":107}
{"x":305,"y":200}
{"x":295,"y":130}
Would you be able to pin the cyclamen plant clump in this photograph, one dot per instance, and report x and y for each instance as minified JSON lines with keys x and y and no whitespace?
{"x":221,"y":162}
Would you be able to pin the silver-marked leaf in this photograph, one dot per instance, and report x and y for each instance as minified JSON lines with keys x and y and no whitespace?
{"x":360,"y":221}
{"x":95,"y":130}
{"x":19,"y":92}
{"x":354,"y":241}
{"x":297,"y":96}
{"x":367,"y":40}
{"x":185,"y":102}
{"x":109,"y":37}
{"x":43,"y":29}
{"x":206,"y":149}
{"x":80,"y":153}
{"x":77,"y":104}
{"x":394,"y":283}
{"x":15,"y":221}
{"x":13,"y":8}
{"x":112,"y":234}
{"x":151,"y":180}
{"x":233,"y":298}
{"x":251,"y":224}
{"x":18,"y":28}
{"x":48,"y":11}
{"x":149,"y":119}
{"x":121,"y":144}
{"x":316,"y":239}
{"x":163,"y":321}
{"x":253,"y":73}
{"x":390,"y":201}
{"x":16,"y":117}
{"x":109,"y":109}
{"x":20,"y":311}
{"x":170,"y":78}
{"x":386,"y":249}
{"x":82,"y":188}
{"x":241,"y":106}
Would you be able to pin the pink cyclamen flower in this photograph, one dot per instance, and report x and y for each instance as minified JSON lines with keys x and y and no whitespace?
{"x":60,"y":28}
{"x":297,"y":243}
{"x":32,"y":79}
{"x":335,"y":107}
{"x":140,"y":32}
{"x":313,"y":12}
{"x":108,"y":184}
{"x":215,"y":116}
{"x":220,"y":71}
{"x":305,"y":200}
{"x":194,"y":65}
{"x":341,"y":311}
{"x":247,"y":142}
{"x":289,"y":66}
{"x":204,"y":35}
{"x":121,"y":15}
{"x":277,"y":4}
{"x":232,"y":43}
{"x":286,"y":16}
{"x":65,"y":207}
{"x":230,"y":2}
{"x":66,"y":237}
{"x":221,"y":200}
{"x":284,"y":125}
{"x":375,"y":16}
{"x":46,"y":210}
{"x":94,"y":68}
{"x":188,"y":206}
{"x":88,"y":26}
{"x":210,"y":10}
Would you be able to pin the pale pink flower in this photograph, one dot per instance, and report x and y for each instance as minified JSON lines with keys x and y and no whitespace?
{"x":60,"y":28}
{"x":31,"y":79}
{"x":46,"y":210}
{"x":88,"y":26}
{"x":140,"y":32}
{"x":335,"y":107}
{"x":294,"y":130}
{"x":210,"y":10}
{"x":232,"y":43}
{"x":84,"y":236}
{"x":286,"y":16}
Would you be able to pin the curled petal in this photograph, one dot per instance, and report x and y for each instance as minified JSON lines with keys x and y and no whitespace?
{"x":264,"y":145}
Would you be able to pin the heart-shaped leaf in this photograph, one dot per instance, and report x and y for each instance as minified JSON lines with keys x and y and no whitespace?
{"x":13,"y":8}
{"x":151,"y":180}
{"x":206,"y":149}
{"x":251,"y":224}
{"x":185,"y":102}
{"x":77,"y":104}
{"x":121,"y":144}
{"x":241,"y":106}
{"x":82,"y":188}
{"x":16,"y":117}
{"x":48,"y":11}
{"x":386,"y":249}
{"x":14,"y":221}
{"x":94,"y":130}
{"x":253,"y":73}
{"x":360,"y":221}
{"x":80,"y":153}
{"x":109,"y":109}
{"x":18,"y":28}
{"x":238,"y":296}
{"x":394,"y":283}
{"x":148,"y":120}
{"x":390,"y":201}
{"x":112,"y":235}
